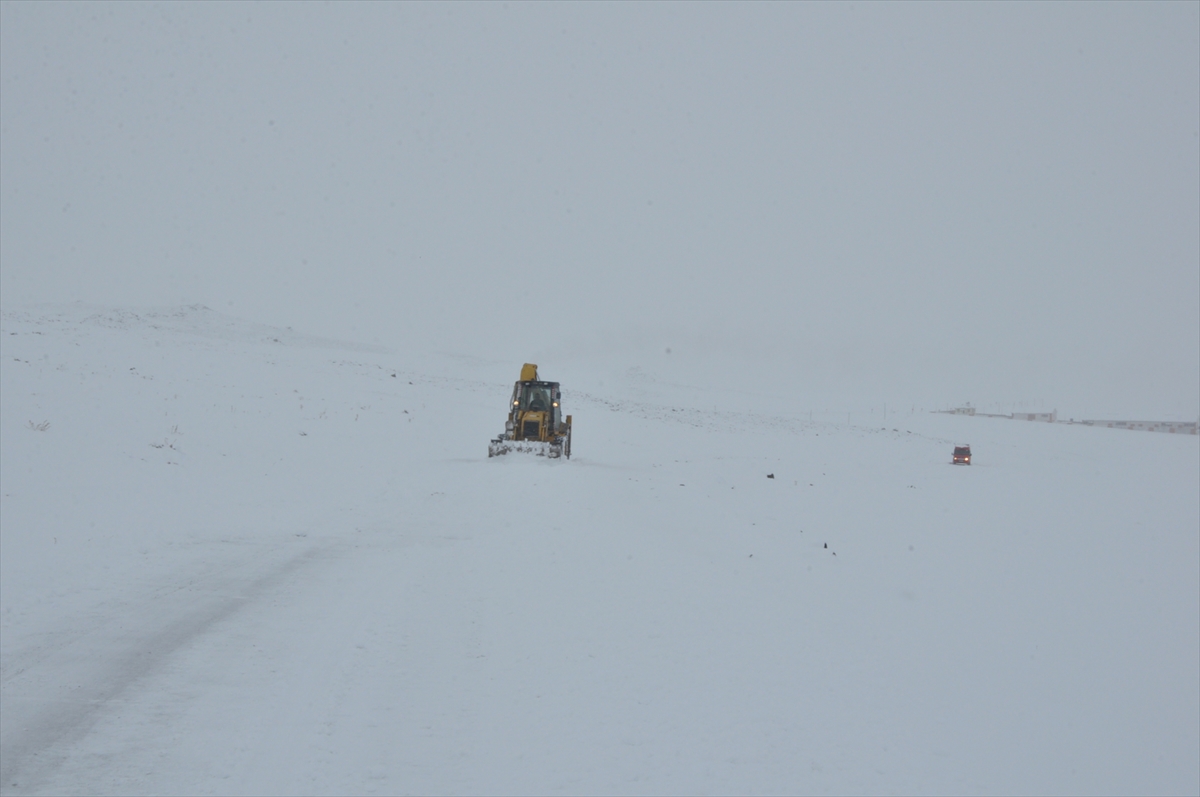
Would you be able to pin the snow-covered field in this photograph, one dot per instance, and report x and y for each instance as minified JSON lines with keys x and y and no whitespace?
{"x":236,"y":559}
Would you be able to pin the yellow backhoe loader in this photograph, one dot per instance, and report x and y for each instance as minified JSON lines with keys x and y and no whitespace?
{"x":535,"y":422}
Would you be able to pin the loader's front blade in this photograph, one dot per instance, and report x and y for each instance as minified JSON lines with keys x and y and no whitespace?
{"x":553,"y":450}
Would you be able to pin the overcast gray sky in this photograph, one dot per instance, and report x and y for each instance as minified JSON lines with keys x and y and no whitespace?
{"x":994,"y":201}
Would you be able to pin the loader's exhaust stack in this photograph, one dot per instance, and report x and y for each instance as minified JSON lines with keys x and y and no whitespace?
{"x":535,"y":422}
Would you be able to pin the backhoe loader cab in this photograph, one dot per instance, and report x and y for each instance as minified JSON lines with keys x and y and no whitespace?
{"x":535,"y":422}
{"x":534,"y":406}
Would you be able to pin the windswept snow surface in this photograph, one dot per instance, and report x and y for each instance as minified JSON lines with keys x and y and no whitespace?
{"x":239,"y":560}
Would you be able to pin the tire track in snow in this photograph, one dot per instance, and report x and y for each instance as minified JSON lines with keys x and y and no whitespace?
{"x":33,"y":731}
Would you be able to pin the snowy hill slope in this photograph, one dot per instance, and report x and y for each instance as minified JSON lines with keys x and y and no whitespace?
{"x":239,"y":560}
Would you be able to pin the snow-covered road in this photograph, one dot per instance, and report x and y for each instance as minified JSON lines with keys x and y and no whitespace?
{"x":243,"y":561}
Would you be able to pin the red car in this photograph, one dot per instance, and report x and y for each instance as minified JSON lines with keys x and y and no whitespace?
{"x":962,"y":455}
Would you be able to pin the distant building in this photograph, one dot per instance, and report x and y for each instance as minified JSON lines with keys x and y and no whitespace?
{"x":967,"y":410}
{"x":1045,"y":417}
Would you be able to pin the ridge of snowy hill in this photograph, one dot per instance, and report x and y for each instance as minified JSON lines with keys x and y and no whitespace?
{"x":236,"y":559}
